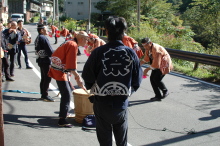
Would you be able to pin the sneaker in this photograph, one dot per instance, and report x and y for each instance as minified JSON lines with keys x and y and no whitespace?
{"x":10,"y":80}
{"x":48,"y":99}
{"x":165,"y":94}
{"x":64,"y":123}
{"x":28,"y":67}
{"x":155,"y":99}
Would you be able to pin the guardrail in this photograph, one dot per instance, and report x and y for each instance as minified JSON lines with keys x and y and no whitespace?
{"x":195,"y":57}
{"x":191,"y":56}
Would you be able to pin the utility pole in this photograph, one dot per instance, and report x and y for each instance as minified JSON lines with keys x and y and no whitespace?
{"x":1,"y":109}
{"x":57,"y":10}
{"x":54,"y":10}
{"x":138,"y":13}
{"x":89,"y":27}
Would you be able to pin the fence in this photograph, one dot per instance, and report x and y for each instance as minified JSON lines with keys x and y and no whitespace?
{"x":99,"y":31}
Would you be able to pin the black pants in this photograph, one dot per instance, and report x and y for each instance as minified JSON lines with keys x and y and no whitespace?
{"x":5,"y":67}
{"x":45,"y":79}
{"x":55,"y":38}
{"x":11,"y":54}
{"x":22,"y":47}
{"x":65,"y":92}
{"x":110,"y":120}
{"x":156,"y":82}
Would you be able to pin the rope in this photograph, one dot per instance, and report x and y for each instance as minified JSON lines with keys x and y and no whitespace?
{"x":188,"y":132}
{"x":19,"y":91}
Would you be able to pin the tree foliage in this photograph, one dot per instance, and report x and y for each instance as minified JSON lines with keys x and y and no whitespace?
{"x":204,"y":18}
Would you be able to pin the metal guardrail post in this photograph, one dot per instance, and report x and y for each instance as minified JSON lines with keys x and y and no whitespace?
{"x":196,"y":66}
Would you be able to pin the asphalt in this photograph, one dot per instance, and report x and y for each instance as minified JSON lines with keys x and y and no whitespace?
{"x":189,"y":116}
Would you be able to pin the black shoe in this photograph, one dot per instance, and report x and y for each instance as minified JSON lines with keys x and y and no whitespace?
{"x":3,"y":80}
{"x":10,"y":80}
{"x":19,"y":67}
{"x":28,"y":67}
{"x":64,"y":123}
{"x":12,"y":75}
{"x":48,"y":99}
{"x":55,"y":43}
{"x":155,"y":99}
{"x":165,"y":94}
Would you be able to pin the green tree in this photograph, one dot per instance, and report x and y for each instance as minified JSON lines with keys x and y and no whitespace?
{"x":204,"y":18}
{"x":159,"y":9}
{"x":185,"y":5}
{"x":124,"y":8}
{"x":102,"y":5}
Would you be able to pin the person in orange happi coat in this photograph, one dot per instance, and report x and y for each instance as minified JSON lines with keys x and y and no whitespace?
{"x":160,"y":64}
{"x":54,"y":30}
{"x":64,"y":62}
{"x":64,"y":32}
{"x":94,"y":42}
{"x":130,"y":42}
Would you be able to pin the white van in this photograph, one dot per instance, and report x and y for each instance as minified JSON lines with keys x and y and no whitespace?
{"x":17,"y":16}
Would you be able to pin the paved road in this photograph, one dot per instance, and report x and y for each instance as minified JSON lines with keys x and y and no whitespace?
{"x":192,"y":107}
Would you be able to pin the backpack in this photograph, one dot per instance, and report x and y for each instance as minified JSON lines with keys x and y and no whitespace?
{"x":89,"y":123}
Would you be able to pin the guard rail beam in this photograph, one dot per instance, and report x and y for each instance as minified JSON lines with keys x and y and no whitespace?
{"x":191,"y":56}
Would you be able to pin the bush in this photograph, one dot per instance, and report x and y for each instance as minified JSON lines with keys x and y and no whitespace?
{"x":70,"y":24}
{"x":35,"y":19}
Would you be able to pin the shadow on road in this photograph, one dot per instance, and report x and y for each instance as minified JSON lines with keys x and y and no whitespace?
{"x":36,"y":122}
{"x":214,"y":114}
{"x":138,"y":102}
{"x":195,"y":86}
{"x":185,"y":137}
{"x":24,"y":120}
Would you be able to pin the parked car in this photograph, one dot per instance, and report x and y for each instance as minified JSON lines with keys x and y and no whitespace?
{"x":16,"y":17}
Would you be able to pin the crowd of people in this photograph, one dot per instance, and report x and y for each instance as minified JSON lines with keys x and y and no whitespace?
{"x":112,"y":71}
{"x":14,"y":39}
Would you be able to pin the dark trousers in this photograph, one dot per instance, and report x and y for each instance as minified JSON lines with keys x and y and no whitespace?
{"x":156,"y":82}
{"x":65,"y":92}
{"x":5,"y":67}
{"x":55,"y":38}
{"x":11,"y":54}
{"x":110,"y":120}
{"x":45,"y":79}
{"x":22,"y":47}
{"x":78,"y":53}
